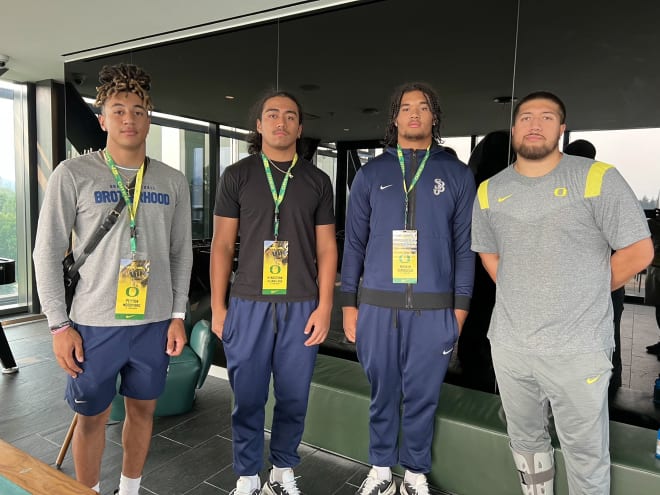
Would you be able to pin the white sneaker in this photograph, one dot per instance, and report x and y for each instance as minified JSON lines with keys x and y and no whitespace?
{"x":420,"y":487}
{"x":287,"y":486}
{"x":244,"y":487}
{"x":373,"y":486}
{"x":10,"y":371}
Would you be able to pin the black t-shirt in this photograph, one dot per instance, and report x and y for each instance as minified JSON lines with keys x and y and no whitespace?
{"x":243,"y":193}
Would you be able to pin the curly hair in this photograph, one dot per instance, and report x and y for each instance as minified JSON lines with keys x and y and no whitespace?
{"x":123,"y":78}
{"x":391,"y":132}
{"x":254,"y":138}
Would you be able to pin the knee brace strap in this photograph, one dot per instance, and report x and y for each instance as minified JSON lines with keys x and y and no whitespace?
{"x":526,"y":463}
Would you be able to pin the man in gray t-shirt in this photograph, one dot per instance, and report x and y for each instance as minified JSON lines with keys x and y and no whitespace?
{"x":544,"y":229}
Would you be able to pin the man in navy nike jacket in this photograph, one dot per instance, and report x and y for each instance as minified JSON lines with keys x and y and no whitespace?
{"x":408,"y":244}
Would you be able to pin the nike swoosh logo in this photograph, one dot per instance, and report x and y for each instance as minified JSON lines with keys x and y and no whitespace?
{"x":504,"y":198}
{"x":447,"y":352}
{"x":79,"y":401}
{"x":593,"y":379}
{"x":128,"y":317}
{"x":385,"y":187}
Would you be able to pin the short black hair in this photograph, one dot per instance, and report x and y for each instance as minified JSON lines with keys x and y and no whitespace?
{"x":542,"y":95}
{"x":254,"y":138}
{"x":391,"y":132}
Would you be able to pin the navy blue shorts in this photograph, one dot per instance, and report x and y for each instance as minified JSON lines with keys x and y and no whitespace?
{"x":135,"y":352}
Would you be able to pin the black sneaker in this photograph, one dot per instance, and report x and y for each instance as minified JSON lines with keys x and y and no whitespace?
{"x":287,"y":486}
{"x":373,"y":486}
{"x":653,"y":349}
{"x":419,"y":488}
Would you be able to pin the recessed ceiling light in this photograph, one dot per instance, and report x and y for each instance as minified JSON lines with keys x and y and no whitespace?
{"x":229,"y":97}
{"x":505,"y":99}
{"x":346,"y":129}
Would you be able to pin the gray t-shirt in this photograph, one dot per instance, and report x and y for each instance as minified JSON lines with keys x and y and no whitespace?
{"x":554,"y":235}
{"x":80,"y":194}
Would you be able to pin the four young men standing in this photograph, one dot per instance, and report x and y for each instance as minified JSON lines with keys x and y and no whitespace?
{"x":548,"y":217}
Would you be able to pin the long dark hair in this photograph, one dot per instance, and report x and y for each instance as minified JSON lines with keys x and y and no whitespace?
{"x":254,"y":138}
{"x":391,"y":132}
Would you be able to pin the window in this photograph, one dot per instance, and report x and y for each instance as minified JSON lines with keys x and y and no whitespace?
{"x":634,"y":153}
{"x":13,"y":195}
{"x":461,"y":145}
{"x":188,"y":151}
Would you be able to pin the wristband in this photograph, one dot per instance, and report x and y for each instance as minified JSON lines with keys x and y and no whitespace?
{"x":60,"y":325}
{"x":60,"y":328}
{"x":181,"y":316}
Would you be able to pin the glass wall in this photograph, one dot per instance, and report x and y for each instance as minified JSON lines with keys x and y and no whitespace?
{"x":461,"y":145}
{"x":188,"y":151}
{"x":233,"y":146}
{"x":14,"y":230}
{"x":635,"y":154}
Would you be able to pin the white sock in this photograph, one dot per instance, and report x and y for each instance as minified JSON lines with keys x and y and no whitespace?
{"x":410,"y":477}
{"x":277,"y":472}
{"x":255,"y":482}
{"x":383,"y":473}
{"x":129,"y":486}
{"x":97,"y":487}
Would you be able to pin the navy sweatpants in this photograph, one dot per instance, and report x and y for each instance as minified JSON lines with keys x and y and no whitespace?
{"x":260,"y":339}
{"x":405,"y":355}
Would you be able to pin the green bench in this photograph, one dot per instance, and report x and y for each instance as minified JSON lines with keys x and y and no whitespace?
{"x":470,"y":448}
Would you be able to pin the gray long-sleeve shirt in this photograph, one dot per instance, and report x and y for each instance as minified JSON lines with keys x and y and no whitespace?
{"x":80,"y":194}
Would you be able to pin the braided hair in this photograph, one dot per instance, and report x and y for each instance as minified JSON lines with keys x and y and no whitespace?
{"x":391,"y":132}
{"x":122,"y":78}
{"x":254,"y":138}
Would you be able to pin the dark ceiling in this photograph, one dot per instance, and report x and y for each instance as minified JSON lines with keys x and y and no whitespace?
{"x":600,"y":57}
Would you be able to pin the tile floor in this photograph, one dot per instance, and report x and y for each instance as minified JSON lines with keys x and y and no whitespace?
{"x":191,"y":453}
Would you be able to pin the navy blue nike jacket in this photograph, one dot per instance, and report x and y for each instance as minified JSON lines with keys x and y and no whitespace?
{"x":440,"y":209}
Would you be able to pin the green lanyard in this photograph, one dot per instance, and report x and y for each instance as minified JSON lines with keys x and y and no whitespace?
{"x":277,"y":198}
{"x":407,"y":189}
{"x":132,"y":207}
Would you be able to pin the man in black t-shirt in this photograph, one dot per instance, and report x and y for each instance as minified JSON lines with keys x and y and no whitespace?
{"x":281,"y":207}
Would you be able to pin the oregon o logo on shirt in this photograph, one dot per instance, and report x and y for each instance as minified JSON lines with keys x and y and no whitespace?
{"x":560,"y":192}
{"x":275,"y":269}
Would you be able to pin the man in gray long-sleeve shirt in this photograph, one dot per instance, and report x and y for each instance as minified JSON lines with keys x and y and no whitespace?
{"x":128,"y":309}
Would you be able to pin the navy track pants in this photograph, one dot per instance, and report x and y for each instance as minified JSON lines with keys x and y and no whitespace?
{"x":260,"y":339}
{"x":405,"y":354}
